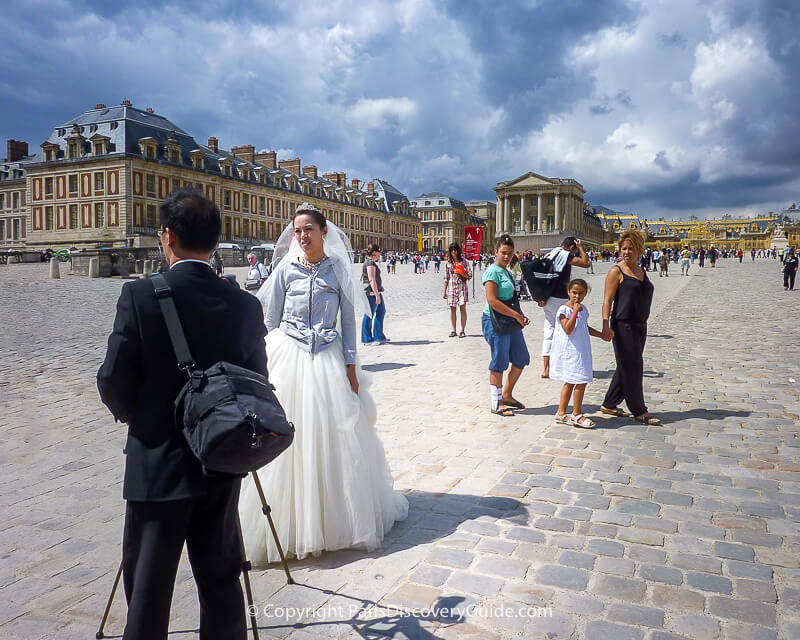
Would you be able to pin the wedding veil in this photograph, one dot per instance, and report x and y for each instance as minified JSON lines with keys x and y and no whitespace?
{"x":338,"y":250}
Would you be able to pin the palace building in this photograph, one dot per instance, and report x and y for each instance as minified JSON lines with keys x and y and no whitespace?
{"x":538,"y":212}
{"x":444,"y":220}
{"x":759,"y":232}
{"x":100,"y":177}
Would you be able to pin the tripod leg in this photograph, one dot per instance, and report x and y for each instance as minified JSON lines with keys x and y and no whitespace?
{"x":99,"y":633}
{"x":246,"y":567}
{"x":265,"y":508}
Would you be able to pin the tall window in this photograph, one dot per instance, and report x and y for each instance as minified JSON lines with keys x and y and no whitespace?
{"x":99,"y":217}
{"x":72,"y":150}
{"x":176,"y":184}
{"x":150,"y":183}
{"x":48,"y":218}
{"x":262,"y":203}
{"x":73,"y":216}
{"x":2,"y":229}
{"x":150,"y":220}
{"x":226,"y":198}
{"x":15,"y":204}
{"x":2,"y":201}
{"x":16,"y":229}
{"x":246,"y":202}
{"x":99,"y":181}
{"x":73,"y":183}
{"x":48,"y":186}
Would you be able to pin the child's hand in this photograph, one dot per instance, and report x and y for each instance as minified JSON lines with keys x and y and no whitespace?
{"x":578,"y":307}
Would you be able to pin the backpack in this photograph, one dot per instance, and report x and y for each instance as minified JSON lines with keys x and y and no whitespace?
{"x":540,"y":276}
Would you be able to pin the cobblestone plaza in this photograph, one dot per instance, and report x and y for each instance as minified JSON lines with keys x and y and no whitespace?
{"x":518,"y":528}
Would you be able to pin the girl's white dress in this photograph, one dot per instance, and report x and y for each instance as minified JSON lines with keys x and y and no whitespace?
{"x":571,"y":354}
{"x":332,"y":488}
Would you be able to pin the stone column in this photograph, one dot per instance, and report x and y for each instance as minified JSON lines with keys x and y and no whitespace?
{"x":522,"y":212}
{"x":498,"y":214}
{"x":539,"y":213}
{"x":507,"y":214}
{"x":558,"y":222}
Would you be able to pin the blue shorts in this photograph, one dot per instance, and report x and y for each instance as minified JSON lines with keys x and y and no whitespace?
{"x":508,"y":348}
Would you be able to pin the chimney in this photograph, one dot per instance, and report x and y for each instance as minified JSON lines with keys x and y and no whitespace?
{"x":267,"y":157}
{"x":311,"y":170}
{"x":356,"y":183}
{"x":149,"y":110}
{"x":338,"y":178}
{"x":99,"y":105}
{"x":17,"y":150}
{"x":290,"y":165}
{"x":126,"y":103}
{"x":371,"y":188}
{"x":213,"y":144}
{"x":245,"y":152}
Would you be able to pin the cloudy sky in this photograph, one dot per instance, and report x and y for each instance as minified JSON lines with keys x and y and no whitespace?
{"x":673,"y":107}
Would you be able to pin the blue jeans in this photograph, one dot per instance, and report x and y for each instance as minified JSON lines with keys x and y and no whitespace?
{"x":372,"y":325}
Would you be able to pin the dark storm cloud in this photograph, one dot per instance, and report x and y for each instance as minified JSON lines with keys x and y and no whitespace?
{"x":600,"y":110}
{"x":673,"y":40}
{"x":523,"y":50}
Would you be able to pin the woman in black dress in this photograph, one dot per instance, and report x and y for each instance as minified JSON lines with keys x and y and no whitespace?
{"x":626,"y":307}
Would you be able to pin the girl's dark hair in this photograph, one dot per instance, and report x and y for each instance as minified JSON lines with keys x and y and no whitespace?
{"x":454,"y":246}
{"x":372,"y":248}
{"x":580,"y":282}
{"x":506,"y":240}
{"x":317,"y":215}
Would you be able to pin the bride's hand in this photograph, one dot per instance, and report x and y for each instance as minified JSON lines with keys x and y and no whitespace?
{"x":352,"y":377}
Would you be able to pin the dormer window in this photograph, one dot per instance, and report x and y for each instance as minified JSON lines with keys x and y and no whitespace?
{"x":148,"y":148}
{"x":198,"y":159}
{"x":244,"y":171}
{"x":50,"y":150}
{"x":99,"y":144}
{"x":173,"y":149}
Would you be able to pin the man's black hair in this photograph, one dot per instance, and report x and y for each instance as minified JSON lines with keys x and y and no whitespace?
{"x":193,"y":218}
{"x":568,"y":242}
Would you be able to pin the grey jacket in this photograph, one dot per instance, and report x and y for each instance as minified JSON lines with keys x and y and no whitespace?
{"x":305,"y":306}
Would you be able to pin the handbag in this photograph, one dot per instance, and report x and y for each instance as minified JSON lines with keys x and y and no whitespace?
{"x":505,"y":325}
{"x":228,"y":415}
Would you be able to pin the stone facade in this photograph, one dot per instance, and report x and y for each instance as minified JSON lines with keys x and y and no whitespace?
{"x":13,"y":197}
{"x":101,"y":177}
{"x":444,"y":220}
{"x":538,"y":212}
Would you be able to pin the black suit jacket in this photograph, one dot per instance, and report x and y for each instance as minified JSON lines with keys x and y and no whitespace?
{"x":139,"y":379}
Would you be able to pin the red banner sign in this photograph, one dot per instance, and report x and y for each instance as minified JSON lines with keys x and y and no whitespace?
{"x":472,"y":243}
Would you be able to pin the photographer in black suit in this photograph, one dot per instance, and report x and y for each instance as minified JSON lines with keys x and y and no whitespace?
{"x":169,"y":500}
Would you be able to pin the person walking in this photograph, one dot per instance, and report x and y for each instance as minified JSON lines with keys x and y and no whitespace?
{"x":627,"y":299}
{"x":170,"y":500}
{"x":685,"y":257}
{"x":372,"y":324}
{"x":456,"y":290}
{"x":216,"y":263}
{"x":702,"y":257}
{"x":790,"y":263}
{"x":663,"y":265}
{"x":506,"y":348}
{"x":564,"y":257}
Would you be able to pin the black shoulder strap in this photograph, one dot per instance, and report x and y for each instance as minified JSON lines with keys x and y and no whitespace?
{"x":176,"y":335}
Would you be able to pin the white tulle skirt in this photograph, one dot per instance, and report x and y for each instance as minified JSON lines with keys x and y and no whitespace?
{"x":332,"y":489}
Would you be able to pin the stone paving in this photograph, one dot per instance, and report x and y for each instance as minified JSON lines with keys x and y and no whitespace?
{"x":518,"y":528}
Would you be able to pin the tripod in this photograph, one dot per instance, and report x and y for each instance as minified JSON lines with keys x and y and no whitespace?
{"x":246,"y":566}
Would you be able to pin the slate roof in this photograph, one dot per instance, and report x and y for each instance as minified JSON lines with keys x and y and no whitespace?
{"x":419,"y":201}
{"x":390,"y":195}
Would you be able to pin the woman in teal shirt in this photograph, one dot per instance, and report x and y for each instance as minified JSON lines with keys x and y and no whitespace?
{"x":510,"y":348}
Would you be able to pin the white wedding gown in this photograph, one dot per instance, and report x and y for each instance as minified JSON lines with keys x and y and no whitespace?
{"x":332,"y":488}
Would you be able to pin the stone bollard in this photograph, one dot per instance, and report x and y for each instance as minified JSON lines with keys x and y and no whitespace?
{"x":138,"y":266}
{"x":55,"y":269}
{"x":94,"y":267}
{"x":148,"y":268}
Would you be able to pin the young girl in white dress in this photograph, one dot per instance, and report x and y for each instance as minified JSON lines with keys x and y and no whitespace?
{"x":332,"y":488}
{"x":571,"y":354}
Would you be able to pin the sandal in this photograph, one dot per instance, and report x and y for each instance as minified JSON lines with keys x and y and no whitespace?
{"x":581,"y":421}
{"x":648,"y":419}
{"x":453,"y":334}
{"x":513,"y":403}
{"x":506,"y":412}
{"x":462,"y":335}
{"x":616,"y":411}
{"x":562,"y":418}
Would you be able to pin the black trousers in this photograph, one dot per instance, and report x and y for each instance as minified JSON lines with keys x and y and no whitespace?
{"x":151,"y":549}
{"x":788,"y":278}
{"x":628,"y":341}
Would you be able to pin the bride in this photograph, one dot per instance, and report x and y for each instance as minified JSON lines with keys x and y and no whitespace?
{"x":332,"y":489}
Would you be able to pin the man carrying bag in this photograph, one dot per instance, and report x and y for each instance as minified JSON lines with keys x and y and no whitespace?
{"x":169,"y":499}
